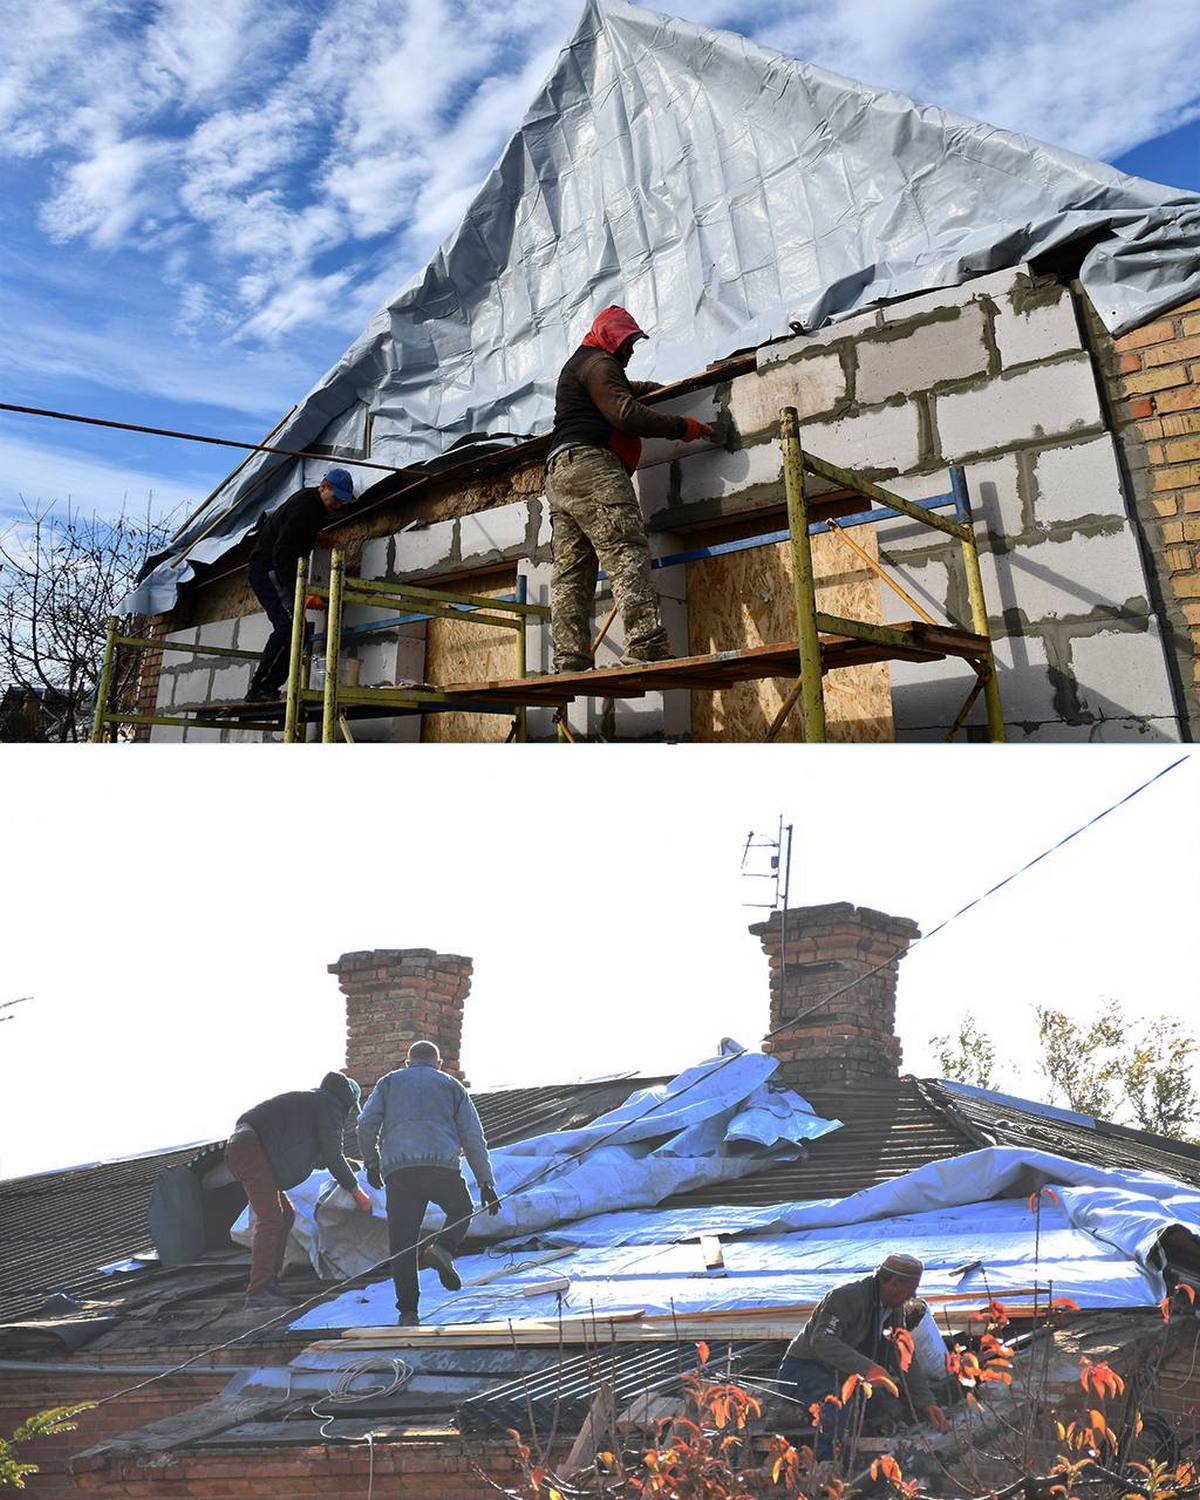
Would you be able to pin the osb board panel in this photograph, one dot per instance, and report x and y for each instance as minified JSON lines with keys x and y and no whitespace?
{"x":746,"y":599}
{"x":456,"y":651}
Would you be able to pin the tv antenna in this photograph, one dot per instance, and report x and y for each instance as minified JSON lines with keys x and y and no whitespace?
{"x":7,"y":1005}
{"x":776,"y":853}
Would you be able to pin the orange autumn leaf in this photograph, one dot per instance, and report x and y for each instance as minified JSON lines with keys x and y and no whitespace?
{"x":887,"y":1466}
{"x":702,"y":1351}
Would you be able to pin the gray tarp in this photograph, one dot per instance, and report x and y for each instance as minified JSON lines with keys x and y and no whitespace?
{"x":722,"y":192}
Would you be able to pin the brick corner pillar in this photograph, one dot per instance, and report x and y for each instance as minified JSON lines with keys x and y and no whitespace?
{"x":397,"y":996}
{"x":813,"y":952}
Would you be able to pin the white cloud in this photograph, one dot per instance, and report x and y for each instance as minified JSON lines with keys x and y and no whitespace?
{"x":281,"y":156}
{"x":107,"y":193}
{"x":39,"y":474}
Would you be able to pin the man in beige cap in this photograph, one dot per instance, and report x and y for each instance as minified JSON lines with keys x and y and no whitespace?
{"x":849,"y":1334}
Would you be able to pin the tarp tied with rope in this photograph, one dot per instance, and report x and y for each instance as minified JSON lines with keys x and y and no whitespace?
{"x":723,"y":192}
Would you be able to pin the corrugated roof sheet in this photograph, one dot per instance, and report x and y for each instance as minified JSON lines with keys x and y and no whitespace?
{"x":885,"y":1132}
{"x":1000,"y":1118}
{"x":60,"y":1227}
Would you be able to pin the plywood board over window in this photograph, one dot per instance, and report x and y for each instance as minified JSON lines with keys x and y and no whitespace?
{"x":746,"y":599}
{"x":457,"y":651}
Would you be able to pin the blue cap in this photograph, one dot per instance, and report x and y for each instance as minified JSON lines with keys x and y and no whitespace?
{"x":340,"y":483}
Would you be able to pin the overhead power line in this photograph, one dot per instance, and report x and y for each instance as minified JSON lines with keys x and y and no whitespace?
{"x":289,"y":1314}
{"x":195,"y":437}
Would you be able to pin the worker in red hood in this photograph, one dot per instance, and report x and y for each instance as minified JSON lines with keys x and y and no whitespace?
{"x":595,"y":513}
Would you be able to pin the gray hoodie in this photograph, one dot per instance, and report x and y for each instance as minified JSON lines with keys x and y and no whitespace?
{"x":419,"y":1116}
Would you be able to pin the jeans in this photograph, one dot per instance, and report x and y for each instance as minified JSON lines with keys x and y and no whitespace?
{"x":273,"y":1212}
{"x":410,"y":1191}
{"x":273,"y":663}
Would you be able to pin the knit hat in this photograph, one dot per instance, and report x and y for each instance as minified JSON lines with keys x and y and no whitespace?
{"x":899,"y":1264}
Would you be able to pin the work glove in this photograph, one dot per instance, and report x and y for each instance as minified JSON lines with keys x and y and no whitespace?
{"x":375,"y":1176}
{"x":694,"y":430}
{"x":488,"y":1197}
{"x":314,"y":601}
{"x":362,"y":1201}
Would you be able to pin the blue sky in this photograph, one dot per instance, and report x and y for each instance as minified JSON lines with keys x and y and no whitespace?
{"x":206,"y":202}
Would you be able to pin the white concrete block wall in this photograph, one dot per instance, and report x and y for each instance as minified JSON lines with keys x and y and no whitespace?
{"x":1018,"y":408}
{"x":992,"y":374}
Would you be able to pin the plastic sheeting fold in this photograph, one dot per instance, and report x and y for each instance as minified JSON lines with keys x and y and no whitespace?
{"x":715,"y":1122}
{"x":722,"y":192}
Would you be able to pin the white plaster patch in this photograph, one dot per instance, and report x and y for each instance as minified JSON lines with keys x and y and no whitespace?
{"x":996,"y":285}
{"x":992,"y":488}
{"x":884,"y":439}
{"x":375,"y":557}
{"x":1042,"y":401}
{"x":1053,"y":580}
{"x":424,"y":547}
{"x":714,"y":473}
{"x":811,"y":385}
{"x":1078,"y":481}
{"x":1122,"y":674}
{"x":952,"y":349}
{"x":1026,"y":337}
{"x":500,"y":530}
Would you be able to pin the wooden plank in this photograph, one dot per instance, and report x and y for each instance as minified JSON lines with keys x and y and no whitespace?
{"x":459,"y":650}
{"x":917,"y":642}
{"x":744,"y":599}
{"x":598,"y":1432}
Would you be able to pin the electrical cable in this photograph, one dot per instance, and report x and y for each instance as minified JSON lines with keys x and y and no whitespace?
{"x":195,"y":437}
{"x":555,"y":1166}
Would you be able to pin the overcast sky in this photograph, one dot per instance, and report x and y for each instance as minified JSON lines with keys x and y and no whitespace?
{"x":173,"y":922}
{"x":206,"y":202}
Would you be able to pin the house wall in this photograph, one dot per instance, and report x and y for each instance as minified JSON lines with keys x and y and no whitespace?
{"x":1151,"y":380}
{"x":997,"y":375}
{"x":27,"y":1392}
{"x":441,"y":1468}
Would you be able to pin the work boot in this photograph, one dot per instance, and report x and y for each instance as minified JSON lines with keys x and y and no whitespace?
{"x":259,"y":693}
{"x":408,"y":1320}
{"x":574,"y":664}
{"x":440,"y":1259}
{"x":269,"y":1296}
{"x":632,"y":660}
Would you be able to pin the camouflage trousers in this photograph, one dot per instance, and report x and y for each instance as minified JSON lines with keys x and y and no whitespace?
{"x":597,"y":522}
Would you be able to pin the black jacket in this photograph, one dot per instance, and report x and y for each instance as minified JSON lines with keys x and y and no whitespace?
{"x":288,"y":534}
{"x":302,"y":1130}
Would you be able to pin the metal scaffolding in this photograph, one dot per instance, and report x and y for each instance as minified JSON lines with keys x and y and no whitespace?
{"x":824,"y":643}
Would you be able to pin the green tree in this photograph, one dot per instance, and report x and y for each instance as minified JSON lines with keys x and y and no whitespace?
{"x":968,"y":1055}
{"x":13,"y":1472}
{"x":1109,"y":1065}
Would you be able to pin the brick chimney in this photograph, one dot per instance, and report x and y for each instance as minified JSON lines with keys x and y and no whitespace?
{"x":396,"y":996}
{"x":814,"y":951}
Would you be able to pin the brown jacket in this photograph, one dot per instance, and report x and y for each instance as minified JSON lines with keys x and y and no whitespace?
{"x":595,"y":400}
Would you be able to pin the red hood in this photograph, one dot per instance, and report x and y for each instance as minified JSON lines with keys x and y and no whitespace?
{"x":610,"y":330}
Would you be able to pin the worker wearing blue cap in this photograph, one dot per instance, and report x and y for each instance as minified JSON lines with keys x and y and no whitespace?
{"x":284,"y":537}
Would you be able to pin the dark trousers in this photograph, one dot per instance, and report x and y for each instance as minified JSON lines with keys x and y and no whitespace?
{"x":808,"y":1381}
{"x":410,"y":1191}
{"x":273,"y":663}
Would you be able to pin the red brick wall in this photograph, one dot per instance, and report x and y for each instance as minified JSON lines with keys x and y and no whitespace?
{"x":437,"y":1470}
{"x":396,"y":996}
{"x":22,"y":1394}
{"x":813,"y":952}
{"x":1152,"y":380}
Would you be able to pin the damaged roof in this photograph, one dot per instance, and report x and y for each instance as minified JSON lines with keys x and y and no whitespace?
{"x":731,"y":211}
